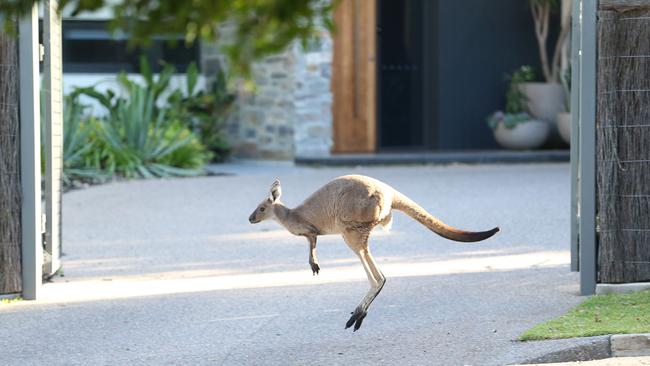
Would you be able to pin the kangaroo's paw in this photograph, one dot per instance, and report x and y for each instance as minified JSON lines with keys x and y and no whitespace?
{"x":315,"y":268}
{"x":357,"y":318}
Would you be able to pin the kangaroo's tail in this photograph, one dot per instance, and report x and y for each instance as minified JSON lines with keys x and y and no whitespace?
{"x":406,"y":205}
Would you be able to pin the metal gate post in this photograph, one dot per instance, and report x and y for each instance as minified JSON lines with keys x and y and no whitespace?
{"x":575,"y":134}
{"x":30,"y":155}
{"x":587,"y":112}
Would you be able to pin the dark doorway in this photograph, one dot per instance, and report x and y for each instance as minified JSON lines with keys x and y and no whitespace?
{"x":404,"y":74}
{"x":441,"y":69}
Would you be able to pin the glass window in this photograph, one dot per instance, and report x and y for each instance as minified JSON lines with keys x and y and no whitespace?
{"x":88,"y":47}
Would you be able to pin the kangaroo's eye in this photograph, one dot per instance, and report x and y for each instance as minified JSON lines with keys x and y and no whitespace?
{"x":261,"y":209}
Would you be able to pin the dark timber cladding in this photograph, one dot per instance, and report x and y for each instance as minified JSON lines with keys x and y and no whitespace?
{"x":623,"y":141}
{"x":10,"y":189}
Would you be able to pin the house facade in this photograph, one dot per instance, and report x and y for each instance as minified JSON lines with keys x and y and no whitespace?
{"x":412,"y":75}
{"x":287,"y":114}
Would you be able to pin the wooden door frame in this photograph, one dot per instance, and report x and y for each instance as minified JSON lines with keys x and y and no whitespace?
{"x":354,"y":77}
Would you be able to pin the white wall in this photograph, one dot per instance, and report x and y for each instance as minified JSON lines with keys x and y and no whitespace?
{"x":103,"y":82}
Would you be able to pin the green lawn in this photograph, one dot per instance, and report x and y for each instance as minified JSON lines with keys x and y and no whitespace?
{"x":601,"y":314}
{"x":10,"y":300}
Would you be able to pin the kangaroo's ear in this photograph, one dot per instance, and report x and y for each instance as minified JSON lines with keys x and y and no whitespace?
{"x":276,"y":190}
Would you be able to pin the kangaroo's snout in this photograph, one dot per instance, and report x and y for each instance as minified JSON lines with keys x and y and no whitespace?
{"x":264,"y":210}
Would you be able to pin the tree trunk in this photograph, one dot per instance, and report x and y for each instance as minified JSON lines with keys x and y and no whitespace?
{"x":10,"y":189}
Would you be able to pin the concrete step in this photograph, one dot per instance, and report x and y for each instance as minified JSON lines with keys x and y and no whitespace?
{"x":438,"y":157}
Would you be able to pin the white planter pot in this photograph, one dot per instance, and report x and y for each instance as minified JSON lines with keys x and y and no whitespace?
{"x":564,"y":126}
{"x":545,"y":101}
{"x":528,"y":135}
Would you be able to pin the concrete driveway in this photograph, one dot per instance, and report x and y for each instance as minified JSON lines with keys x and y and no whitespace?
{"x":171,"y":272}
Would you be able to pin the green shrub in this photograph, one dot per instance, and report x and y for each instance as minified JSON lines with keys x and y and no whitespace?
{"x":191,"y":155}
{"x":509,"y":120}
{"x":204,"y":111}
{"x":516,"y":100}
{"x":78,"y":143}
{"x":137,"y":139}
{"x":516,"y":110}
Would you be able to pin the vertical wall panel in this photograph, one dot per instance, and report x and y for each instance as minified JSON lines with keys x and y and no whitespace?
{"x":53,"y":82}
{"x":354,"y":76}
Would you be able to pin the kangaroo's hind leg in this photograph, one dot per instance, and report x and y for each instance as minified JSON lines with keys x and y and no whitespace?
{"x":358,"y":242}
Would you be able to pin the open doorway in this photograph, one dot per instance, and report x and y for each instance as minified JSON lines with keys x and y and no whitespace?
{"x":405,"y":75}
{"x":441,"y":70}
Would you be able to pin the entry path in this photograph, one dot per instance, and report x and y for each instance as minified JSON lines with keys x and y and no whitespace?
{"x":171,"y":272}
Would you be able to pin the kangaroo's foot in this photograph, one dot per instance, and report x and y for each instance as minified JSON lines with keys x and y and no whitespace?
{"x":315,"y":268}
{"x":357,"y":318}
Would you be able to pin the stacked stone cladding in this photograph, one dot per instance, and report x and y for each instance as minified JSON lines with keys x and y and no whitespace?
{"x":288,"y":112}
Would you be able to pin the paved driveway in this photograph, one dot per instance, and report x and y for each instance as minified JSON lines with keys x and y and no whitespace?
{"x":171,"y":272}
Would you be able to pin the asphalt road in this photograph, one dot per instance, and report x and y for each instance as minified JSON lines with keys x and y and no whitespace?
{"x":170,"y":272}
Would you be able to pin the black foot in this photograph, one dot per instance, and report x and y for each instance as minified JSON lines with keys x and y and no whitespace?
{"x":315,"y":268}
{"x":356,"y":319}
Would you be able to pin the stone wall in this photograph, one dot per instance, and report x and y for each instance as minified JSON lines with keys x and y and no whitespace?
{"x":263,"y":127}
{"x":313,"y":100}
{"x":288,"y":113}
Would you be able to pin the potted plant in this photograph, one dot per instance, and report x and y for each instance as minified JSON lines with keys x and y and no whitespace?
{"x":545,"y":99}
{"x":516,"y":128}
{"x":563,"y":118}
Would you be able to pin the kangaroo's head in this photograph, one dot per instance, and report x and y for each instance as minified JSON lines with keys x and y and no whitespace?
{"x":264,"y":210}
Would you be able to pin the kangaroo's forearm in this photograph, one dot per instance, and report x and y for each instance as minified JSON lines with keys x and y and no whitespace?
{"x":312,"y":249}
{"x":313,"y":261}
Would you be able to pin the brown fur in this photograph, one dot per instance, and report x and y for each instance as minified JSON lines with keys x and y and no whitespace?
{"x":352,"y":206}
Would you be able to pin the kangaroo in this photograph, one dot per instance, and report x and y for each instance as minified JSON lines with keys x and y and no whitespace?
{"x":353,"y":205}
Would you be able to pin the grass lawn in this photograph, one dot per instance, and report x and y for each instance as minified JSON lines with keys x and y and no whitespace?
{"x":599,"y":315}
{"x":10,"y":300}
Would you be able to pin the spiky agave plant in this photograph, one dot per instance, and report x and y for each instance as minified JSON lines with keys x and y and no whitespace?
{"x":205,"y":111}
{"x":78,"y":144}
{"x":139,"y":136}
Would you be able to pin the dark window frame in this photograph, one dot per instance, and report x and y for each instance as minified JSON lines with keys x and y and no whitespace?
{"x":109,"y":54}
